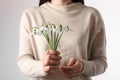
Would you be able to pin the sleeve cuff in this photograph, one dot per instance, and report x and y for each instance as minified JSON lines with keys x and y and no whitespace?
{"x":38,"y":71}
{"x":87,"y":68}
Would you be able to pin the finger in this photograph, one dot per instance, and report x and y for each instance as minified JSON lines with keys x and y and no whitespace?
{"x":74,"y":71}
{"x":71,"y":68}
{"x":48,"y":68}
{"x":54,"y":57}
{"x":71,"y":62}
{"x":53,"y":52}
{"x":77,"y":70}
{"x":66,"y":68}
{"x":76,"y":65}
{"x":51,"y":71}
{"x":53,"y":62}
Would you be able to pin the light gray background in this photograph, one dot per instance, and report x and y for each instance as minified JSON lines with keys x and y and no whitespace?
{"x":10,"y":13}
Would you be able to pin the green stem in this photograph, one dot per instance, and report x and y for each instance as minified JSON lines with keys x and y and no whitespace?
{"x":51,"y":39}
{"x":48,"y":40}
{"x":59,"y":37}
{"x":54,"y":39}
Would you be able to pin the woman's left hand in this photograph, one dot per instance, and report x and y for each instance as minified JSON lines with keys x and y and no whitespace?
{"x":72,"y":69}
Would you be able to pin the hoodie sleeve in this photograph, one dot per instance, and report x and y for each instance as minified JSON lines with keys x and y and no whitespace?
{"x":26,"y":62}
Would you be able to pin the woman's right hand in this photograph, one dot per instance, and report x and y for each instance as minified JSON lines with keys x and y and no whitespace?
{"x":50,"y":61}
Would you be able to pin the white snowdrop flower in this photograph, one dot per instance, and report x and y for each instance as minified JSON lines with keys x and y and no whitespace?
{"x":37,"y":30}
{"x":60,"y":27}
{"x":42,"y":28}
{"x":54,"y":30}
{"x":51,"y":32}
{"x":66,"y":29}
{"x":45,"y":29}
{"x":58,"y":30}
{"x":39,"y":33}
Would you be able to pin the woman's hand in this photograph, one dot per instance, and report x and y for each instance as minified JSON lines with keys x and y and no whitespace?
{"x":72,"y":69}
{"x":50,"y":61}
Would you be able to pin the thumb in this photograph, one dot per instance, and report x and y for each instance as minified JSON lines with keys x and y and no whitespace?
{"x":71,"y":62}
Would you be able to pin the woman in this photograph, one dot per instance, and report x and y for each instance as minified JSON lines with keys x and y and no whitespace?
{"x":80,"y":54}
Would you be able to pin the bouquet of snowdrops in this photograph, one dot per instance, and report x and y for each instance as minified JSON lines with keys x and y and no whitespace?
{"x":51,"y":32}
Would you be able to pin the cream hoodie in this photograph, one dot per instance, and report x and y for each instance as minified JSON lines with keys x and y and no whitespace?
{"x":86,"y":41}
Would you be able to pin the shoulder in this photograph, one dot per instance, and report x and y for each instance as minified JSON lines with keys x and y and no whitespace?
{"x":92,"y":11}
{"x":31,"y":10}
{"x":35,"y":9}
{"x":93,"y":14}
